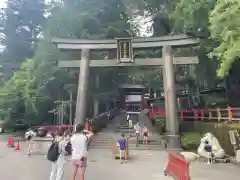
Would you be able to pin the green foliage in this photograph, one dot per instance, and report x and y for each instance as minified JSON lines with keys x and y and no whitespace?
{"x":150,"y":77}
{"x":159,"y":124}
{"x":21,"y":23}
{"x":192,"y":132}
{"x":34,"y":86}
{"x":37,"y":85}
{"x":190,"y":140}
{"x":192,"y":17}
{"x":34,"y":89}
{"x":92,"y":20}
{"x":12,"y":94}
{"x":225,"y":29}
{"x":218,"y":22}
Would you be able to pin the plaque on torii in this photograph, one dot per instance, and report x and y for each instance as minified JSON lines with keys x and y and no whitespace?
{"x":124,"y":57}
{"x":124,"y":50}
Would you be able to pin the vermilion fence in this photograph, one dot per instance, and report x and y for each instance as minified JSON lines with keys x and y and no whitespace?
{"x":228,"y":114}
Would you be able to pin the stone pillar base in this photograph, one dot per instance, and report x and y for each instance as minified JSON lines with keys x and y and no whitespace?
{"x":173,"y":142}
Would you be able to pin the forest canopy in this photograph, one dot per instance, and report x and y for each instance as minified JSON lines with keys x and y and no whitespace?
{"x":32,"y":83}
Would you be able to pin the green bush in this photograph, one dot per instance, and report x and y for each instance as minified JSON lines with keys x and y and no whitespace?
{"x":191,"y":133}
{"x":200,"y":128}
{"x":190,"y":140}
{"x":159,"y":124}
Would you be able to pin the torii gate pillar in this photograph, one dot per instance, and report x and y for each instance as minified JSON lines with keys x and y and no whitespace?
{"x":81,"y":105}
{"x":96,"y":101}
{"x":172,"y":124}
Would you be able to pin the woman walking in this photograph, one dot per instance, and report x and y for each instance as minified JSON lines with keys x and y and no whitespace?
{"x":58,"y":165}
{"x":29,"y":136}
{"x":79,"y":143}
{"x":68,"y":145}
{"x":67,"y":135}
{"x":137,"y":129}
{"x":145,"y":135}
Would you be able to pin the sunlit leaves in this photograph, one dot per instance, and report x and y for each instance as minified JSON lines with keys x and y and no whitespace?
{"x":225,"y":28}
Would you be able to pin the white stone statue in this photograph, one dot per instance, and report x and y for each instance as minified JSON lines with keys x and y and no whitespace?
{"x":217,"y":150}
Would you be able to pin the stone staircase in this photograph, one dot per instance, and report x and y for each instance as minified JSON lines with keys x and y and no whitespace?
{"x":107,"y":138}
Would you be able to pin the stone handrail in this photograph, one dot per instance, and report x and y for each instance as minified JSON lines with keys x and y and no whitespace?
{"x":97,"y":123}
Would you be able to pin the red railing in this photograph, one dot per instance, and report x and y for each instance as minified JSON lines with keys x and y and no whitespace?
{"x":228,"y":114}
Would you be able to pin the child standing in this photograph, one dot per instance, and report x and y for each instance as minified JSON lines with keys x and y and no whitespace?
{"x":122,"y":149}
{"x":208,"y":149}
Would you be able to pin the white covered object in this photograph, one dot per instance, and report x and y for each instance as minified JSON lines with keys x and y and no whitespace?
{"x":217,"y":150}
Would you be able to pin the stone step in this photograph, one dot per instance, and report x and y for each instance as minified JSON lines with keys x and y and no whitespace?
{"x":134,"y":122}
{"x":131,"y":147}
{"x":133,"y":141}
{"x":124,"y":130}
{"x":130,"y":144}
{"x":151,"y":138}
{"x":104,"y":142}
{"x":123,"y":127}
{"x":117,"y":136}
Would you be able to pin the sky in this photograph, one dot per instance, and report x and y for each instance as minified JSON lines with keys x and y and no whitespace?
{"x":139,"y":20}
{"x":2,"y":3}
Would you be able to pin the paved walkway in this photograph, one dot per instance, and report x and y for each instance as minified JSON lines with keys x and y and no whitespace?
{"x":101,"y":166}
{"x":144,"y":165}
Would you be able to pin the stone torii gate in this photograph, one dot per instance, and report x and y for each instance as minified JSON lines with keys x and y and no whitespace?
{"x":125,"y":57}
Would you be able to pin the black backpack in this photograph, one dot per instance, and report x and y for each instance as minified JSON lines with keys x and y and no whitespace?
{"x":68,"y":149}
{"x":53,"y":151}
{"x":29,"y":137}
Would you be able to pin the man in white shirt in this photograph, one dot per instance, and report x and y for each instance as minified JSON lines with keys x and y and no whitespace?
{"x":137,"y":129}
{"x":130,"y":123}
{"x":79,"y":143}
{"x":29,"y":136}
{"x":128,"y":116}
